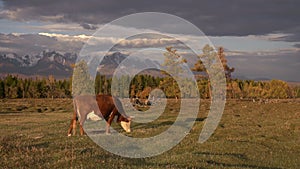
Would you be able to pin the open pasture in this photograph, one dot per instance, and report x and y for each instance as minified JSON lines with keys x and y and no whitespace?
{"x":249,"y":135}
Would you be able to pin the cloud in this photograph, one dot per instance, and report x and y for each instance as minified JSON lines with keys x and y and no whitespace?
{"x":88,"y":26}
{"x":146,"y":42}
{"x":63,"y":37}
{"x":283,"y":64}
{"x":56,"y":27}
{"x":138,"y":42}
{"x":215,"y":18}
{"x":252,"y":43}
{"x":297,"y":45}
{"x":292,"y":35}
{"x":32,"y":44}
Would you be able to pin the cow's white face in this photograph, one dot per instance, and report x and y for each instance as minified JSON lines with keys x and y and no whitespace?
{"x":126,"y":126}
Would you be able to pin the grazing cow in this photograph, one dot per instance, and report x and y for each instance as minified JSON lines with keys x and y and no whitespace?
{"x":106,"y":109}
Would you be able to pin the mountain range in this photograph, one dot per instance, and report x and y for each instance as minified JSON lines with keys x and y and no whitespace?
{"x":44,"y":64}
{"x":60,"y":64}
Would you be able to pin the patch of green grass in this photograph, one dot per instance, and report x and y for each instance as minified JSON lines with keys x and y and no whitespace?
{"x":249,"y":135}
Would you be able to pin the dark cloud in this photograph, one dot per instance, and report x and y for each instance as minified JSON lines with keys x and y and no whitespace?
{"x":292,"y":35}
{"x":297,"y":45}
{"x":218,"y":18}
{"x":88,"y":26}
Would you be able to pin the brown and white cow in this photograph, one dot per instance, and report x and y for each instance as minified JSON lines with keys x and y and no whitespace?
{"x":106,"y":109}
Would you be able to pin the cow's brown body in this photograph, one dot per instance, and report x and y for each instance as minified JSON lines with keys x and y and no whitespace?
{"x":105,"y":103}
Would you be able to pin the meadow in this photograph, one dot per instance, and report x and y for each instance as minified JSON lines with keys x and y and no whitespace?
{"x":33,"y":134}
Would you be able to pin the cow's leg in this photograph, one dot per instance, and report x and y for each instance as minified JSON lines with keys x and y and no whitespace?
{"x":108,"y":123}
{"x":81,"y":122}
{"x":82,"y":132}
{"x":110,"y":119}
{"x":70,"y":128}
{"x":72,"y":125}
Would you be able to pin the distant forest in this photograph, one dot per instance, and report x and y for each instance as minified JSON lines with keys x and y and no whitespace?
{"x":14,"y":87}
{"x":142,"y":84}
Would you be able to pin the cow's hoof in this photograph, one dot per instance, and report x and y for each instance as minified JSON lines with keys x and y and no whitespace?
{"x":108,"y":133}
{"x":69,"y":135}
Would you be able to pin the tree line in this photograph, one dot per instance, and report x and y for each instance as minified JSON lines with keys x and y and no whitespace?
{"x":15,"y":87}
{"x":141,"y":85}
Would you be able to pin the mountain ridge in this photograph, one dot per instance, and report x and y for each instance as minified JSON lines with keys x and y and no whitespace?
{"x":59,"y":65}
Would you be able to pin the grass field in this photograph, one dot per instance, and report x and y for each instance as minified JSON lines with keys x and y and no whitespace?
{"x":250,"y":135}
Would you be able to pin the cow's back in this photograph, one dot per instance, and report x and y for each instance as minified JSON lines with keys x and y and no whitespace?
{"x":85,"y":104}
{"x":105,"y":104}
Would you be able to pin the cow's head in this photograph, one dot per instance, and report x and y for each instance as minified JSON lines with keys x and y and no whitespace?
{"x":125,"y":123}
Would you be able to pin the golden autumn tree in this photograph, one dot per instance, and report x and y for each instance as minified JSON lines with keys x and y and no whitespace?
{"x":228,"y":70}
{"x":172,"y":64}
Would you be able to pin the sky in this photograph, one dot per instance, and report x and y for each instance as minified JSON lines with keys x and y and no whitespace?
{"x":261,"y":38}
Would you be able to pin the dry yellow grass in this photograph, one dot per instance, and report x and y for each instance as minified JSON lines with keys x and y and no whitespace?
{"x":250,"y":135}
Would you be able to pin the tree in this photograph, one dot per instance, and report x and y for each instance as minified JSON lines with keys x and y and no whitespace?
{"x":204,"y":63}
{"x":2,"y":89}
{"x":172,"y":63}
{"x":199,"y":66}
{"x":236,"y":90}
{"x":64,"y":87}
{"x":106,"y":86}
{"x":228,"y":70}
{"x":132,"y":91}
{"x":82,"y":83}
{"x":51,"y":84}
{"x":42,"y":88}
{"x":278,"y":89}
{"x":32,"y":90}
{"x":98,"y":84}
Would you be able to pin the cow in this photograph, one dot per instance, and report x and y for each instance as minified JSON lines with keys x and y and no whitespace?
{"x":103,"y":106}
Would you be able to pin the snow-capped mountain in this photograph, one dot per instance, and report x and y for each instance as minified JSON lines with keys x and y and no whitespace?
{"x":44,"y":64}
{"x":32,"y":60}
{"x":112,"y":61}
{"x":57,"y":64}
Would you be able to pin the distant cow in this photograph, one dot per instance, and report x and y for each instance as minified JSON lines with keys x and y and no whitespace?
{"x":138,"y":102}
{"x":84,"y":105}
